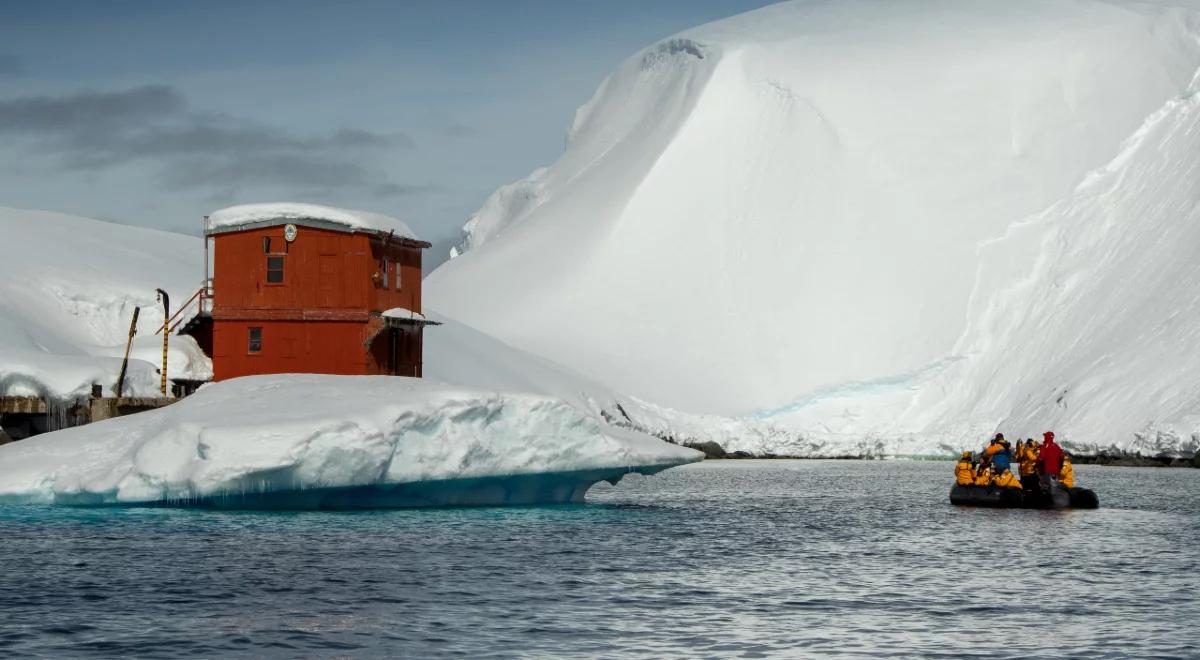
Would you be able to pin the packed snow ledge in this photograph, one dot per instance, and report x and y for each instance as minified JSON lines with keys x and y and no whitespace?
{"x":309,"y":441}
{"x":244,"y":215}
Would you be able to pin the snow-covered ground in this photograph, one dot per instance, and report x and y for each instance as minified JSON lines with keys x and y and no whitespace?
{"x":334,"y":441}
{"x":821,"y":228}
{"x":68,"y":287}
{"x":898,"y":225}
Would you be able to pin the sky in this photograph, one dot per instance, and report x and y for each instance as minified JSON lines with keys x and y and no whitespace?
{"x":156,"y":113}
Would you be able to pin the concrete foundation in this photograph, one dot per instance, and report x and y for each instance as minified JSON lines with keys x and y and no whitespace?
{"x":25,"y":416}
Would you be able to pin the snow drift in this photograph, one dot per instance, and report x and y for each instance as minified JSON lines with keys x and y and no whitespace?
{"x":893,"y":222}
{"x":310,"y":441}
{"x":68,"y":287}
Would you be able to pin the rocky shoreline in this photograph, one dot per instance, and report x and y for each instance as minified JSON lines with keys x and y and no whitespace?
{"x":713,"y":450}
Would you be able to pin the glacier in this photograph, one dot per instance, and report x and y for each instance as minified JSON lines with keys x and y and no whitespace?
{"x":893,"y":225}
{"x":317,"y":441}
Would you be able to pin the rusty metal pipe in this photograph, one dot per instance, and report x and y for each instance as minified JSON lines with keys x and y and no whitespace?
{"x":166,"y":301}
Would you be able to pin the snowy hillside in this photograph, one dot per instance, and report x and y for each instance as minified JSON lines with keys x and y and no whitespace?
{"x":68,"y":287}
{"x":902,"y":222}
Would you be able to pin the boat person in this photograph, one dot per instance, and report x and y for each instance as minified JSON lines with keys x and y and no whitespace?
{"x":983,"y":477}
{"x":964,"y":470}
{"x":1049,"y":462}
{"x":1066,"y":474}
{"x":998,"y":454}
{"x":1006,"y":479}
{"x":1027,"y":455}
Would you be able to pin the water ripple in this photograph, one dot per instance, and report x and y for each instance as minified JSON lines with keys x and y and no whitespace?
{"x":722,"y":559}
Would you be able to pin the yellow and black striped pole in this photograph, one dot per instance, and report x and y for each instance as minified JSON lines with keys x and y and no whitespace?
{"x":166,"y":301}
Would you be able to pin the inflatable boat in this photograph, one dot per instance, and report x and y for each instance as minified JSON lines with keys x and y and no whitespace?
{"x":1015,"y":498}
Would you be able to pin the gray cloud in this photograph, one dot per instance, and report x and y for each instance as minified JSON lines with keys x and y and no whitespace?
{"x":88,"y":111}
{"x":401,"y":190}
{"x":352,"y":137}
{"x":91,"y":131}
{"x":461,"y":130}
{"x":269,"y":169}
{"x":11,"y":65}
{"x":202,"y":136}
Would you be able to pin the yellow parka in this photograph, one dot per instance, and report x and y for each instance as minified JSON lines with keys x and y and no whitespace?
{"x":1006,"y":480}
{"x":964,"y":473}
{"x":1027,"y":459}
{"x":984,"y":478}
{"x":1066,"y":475}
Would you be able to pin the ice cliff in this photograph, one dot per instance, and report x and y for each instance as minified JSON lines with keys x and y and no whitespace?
{"x":904,"y":224}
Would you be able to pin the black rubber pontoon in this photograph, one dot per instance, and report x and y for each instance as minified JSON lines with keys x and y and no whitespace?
{"x":1015,"y":498}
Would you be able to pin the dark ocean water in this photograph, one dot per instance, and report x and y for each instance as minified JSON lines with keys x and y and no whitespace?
{"x":721,"y":559}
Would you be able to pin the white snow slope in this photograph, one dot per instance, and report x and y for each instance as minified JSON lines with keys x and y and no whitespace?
{"x":871,"y":220}
{"x":68,"y":286}
{"x":294,"y":436}
{"x":458,"y":354}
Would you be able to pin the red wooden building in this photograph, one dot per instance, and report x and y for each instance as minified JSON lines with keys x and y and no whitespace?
{"x":300,"y":288}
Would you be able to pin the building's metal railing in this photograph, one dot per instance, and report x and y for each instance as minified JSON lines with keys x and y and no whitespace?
{"x":200,"y":302}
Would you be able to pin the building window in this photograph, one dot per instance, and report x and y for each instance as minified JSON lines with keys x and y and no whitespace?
{"x":274,"y":270}
{"x":384,"y":264}
{"x":396,"y":266}
{"x":266,"y":245}
{"x":255,"y":343}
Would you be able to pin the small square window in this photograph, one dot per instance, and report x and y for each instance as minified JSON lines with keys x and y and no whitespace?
{"x":266,"y":245}
{"x":274,"y":270}
{"x":255,"y":344}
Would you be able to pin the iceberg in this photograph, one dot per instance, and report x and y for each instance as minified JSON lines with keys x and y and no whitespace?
{"x":316,"y":441}
{"x":493,"y":425}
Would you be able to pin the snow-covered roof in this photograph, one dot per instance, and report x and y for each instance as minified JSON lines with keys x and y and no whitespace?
{"x":244,"y":216}
{"x":405,"y":314}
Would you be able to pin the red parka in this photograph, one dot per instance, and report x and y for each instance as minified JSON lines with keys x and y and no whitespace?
{"x":1050,"y":456}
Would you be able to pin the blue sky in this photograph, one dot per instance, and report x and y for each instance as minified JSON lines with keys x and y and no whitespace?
{"x":155,"y":113}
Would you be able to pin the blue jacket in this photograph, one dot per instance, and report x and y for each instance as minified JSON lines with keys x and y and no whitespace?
{"x":1002,"y":460}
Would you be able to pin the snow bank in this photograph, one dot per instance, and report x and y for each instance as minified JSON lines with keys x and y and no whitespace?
{"x":245,"y":214}
{"x":802,"y":216}
{"x":68,"y":286}
{"x":303,"y":440}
